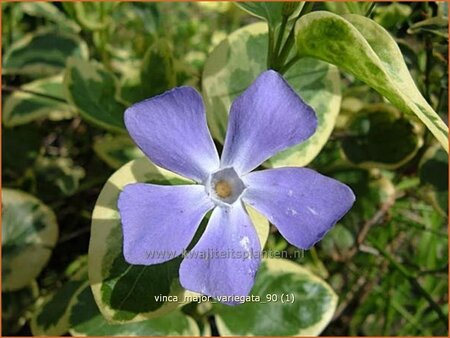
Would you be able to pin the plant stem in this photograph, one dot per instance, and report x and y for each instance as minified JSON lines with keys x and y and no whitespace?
{"x":284,"y":53}
{"x":428,"y":66}
{"x":280,"y":35}
{"x":286,"y":49}
{"x":289,"y":64}
{"x":371,"y":8}
{"x":413,"y":281}
{"x":270,"y":48}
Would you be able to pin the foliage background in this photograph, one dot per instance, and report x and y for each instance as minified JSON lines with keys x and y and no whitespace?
{"x":388,"y":258}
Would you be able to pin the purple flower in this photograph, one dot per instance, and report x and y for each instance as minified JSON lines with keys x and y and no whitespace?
{"x":171,"y":130}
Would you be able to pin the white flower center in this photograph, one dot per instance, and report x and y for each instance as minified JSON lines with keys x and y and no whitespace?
{"x":224,"y":186}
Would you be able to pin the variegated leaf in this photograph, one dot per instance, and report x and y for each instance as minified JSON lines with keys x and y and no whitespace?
{"x":43,"y":53}
{"x":292,"y":302}
{"x":39,"y":99}
{"x":236,"y":62}
{"x":124,"y":292}
{"x":363,"y":48}
{"x":29,"y":233}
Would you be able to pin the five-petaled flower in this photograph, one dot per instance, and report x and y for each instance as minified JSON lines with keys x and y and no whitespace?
{"x":171,"y":130}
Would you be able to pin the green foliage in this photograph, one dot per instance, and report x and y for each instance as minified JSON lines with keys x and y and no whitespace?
{"x":86,"y":320}
{"x":288,"y":294}
{"x":51,"y":318}
{"x":237,"y":61}
{"x":361,"y":47}
{"x":37,"y":100}
{"x":57,"y":176}
{"x":436,"y":25}
{"x":16,"y":307}
{"x":42,"y":53}
{"x":272,"y":12}
{"x":29,"y":232}
{"x":116,"y":151}
{"x":92,"y":89}
{"x":156,"y":75}
{"x":71,"y":69}
{"x":52,"y":13}
{"x":433,"y":172}
{"x":379,"y":136}
{"x":20,"y":140}
{"x":111,"y":276}
{"x":393,"y":15}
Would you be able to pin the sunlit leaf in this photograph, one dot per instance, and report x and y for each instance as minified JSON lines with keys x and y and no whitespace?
{"x":361,"y":47}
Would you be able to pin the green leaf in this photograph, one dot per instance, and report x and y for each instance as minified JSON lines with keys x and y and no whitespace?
{"x":16,"y":306}
{"x":269,"y":11}
{"x":92,"y":90}
{"x":20,"y":147}
{"x":51,"y":317}
{"x":371,"y":193}
{"x":379,"y":137}
{"x":393,"y":15}
{"x":92,"y":16}
{"x":86,"y":320}
{"x":57,"y":176}
{"x":433,"y":173}
{"x":29,"y":233}
{"x":337,"y":241}
{"x":26,"y":105}
{"x":157,"y":74}
{"x":442,"y":9}
{"x":293,"y":302}
{"x":43,"y":53}
{"x":358,"y":7}
{"x":50,"y":12}
{"x":236,"y":62}
{"x":361,"y":47}
{"x":116,"y":150}
{"x":130,"y":86}
{"x":125,"y":292}
{"x":437,"y":26}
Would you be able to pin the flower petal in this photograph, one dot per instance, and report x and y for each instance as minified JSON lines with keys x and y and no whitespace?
{"x":225,"y":260}
{"x":266,"y":119}
{"x":300,"y":202}
{"x":171,"y":130}
{"x":158,"y":221}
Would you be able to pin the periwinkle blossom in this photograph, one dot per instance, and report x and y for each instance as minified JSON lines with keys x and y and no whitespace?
{"x":171,"y":129}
